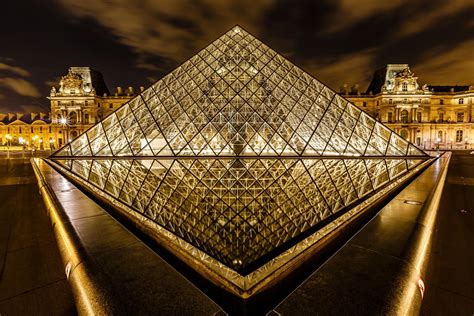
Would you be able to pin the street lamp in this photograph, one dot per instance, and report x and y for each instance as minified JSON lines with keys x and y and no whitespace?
{"x":51,"y":144}
{"x":9,"y":139}
{"x":64,"y":123}
{"x":437,"y":146}
{"x":451,"y":142}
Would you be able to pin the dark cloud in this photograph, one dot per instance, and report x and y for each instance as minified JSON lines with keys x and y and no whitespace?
{"x":341,"y":41}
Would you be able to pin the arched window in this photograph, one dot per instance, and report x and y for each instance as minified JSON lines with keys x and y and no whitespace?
{"x":404,"y":134}
{"x":459,"y":136}
{"x":440,"y":136}
{"x":72,"y":118}
{"x":404,"y":86}
{"x":404,"y":116}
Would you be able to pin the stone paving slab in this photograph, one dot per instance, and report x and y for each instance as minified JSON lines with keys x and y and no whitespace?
{"x":32,"y":278}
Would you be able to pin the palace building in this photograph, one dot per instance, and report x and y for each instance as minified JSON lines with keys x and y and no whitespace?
{"x":81,"y":100}
{"x":430,"y":116}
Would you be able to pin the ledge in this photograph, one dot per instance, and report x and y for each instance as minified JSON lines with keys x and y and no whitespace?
{"x":112,"y":272}
{"x":380,"y":270}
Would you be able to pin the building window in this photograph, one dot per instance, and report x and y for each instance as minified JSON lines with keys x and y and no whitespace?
{"x":41,"y":129}
{"x":404,"y":116}
{"x":50,"y":129}
{"x":404,"y":86}
{"x":441,"y":101}
{"x":72,"y":118}
{"x":404,"y":134}
{"x":461,"y":101}
{"x":389,"y":101}
{"x":440,"y":136}
{"x":32,"y":129}
{"x":389,"y":117}
{"x":20,"y":130}
{"x":441,"y":117}
{"x":364,"y":104}
{"x":86,"y":118}
{"x":419,"y":116}
{"x":460,"y":117}
{"x":458,"y":136}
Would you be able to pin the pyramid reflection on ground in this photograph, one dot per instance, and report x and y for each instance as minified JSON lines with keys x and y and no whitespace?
{"x":238,"y":153}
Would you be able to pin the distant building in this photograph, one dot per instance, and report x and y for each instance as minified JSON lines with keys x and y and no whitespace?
{"x":429,"y":116}
{"x":29,"y":130}
{"x":81,"y":100}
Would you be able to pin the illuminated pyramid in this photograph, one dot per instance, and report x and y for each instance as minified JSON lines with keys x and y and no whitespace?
{"x":236,"y":156}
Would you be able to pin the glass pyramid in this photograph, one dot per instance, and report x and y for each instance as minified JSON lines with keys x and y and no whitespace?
{"x":237,"y":155}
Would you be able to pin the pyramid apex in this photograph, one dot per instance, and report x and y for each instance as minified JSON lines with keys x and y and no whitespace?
{"x":237,"y":29}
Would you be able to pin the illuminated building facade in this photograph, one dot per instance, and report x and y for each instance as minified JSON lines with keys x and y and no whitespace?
{"x":429,"y":116}
{"x":238,"y":161}
{"x":81,"y":100}
{"x":32,"y":130}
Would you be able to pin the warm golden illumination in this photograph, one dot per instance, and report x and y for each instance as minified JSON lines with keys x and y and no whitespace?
{"x":237,"y":153}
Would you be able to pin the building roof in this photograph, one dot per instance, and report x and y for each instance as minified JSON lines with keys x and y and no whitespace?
{"x":378,"y":80}
{"x":455,"y":88}
{"x":92,"y":79}
{"x":28,"y":118}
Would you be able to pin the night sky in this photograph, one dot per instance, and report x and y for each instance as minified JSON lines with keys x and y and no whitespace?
{"x":133,"y":42}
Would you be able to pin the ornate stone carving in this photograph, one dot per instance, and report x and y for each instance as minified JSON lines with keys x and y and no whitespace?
{"x":71,"y":83}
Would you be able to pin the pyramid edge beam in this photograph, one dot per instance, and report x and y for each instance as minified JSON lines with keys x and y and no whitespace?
{"x":341,"y":157}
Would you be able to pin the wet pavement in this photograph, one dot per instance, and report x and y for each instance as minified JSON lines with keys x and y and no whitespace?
{"x":450,"y":279}
{"x":32,"y":279}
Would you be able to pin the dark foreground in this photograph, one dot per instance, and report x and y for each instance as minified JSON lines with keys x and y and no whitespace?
{"x":450,"y":278}
{"x":32,"y":280}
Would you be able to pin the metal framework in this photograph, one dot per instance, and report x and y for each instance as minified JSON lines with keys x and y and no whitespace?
{"x":237,"y":153}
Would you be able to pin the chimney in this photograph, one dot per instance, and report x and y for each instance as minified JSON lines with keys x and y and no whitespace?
{"x":142,"y":88}
{"x":119,"y":90}
{"x":452,"y":89}
{"x":130,"y":90}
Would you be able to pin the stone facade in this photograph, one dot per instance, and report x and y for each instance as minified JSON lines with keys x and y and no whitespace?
{"x":32,"y":130}
{"x":429,"y":116}
{"x":81,"y":101}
